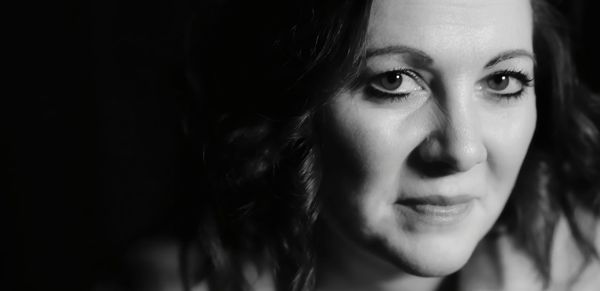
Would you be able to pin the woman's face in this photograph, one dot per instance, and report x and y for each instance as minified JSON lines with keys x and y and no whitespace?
{"x":420,"y":157}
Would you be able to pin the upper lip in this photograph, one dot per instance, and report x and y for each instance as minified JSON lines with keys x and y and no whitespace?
{"x":439,"y":200}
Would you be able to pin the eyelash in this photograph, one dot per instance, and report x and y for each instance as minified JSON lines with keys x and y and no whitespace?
{"x":378,"y":94}
{"x":520,"y":76}
{"x":525,"y":80}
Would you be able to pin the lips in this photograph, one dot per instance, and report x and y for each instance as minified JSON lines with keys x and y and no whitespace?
{"x":436,"y":200}
{"x":436,"y":209}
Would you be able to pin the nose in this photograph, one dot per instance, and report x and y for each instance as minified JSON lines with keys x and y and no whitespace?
{"x":455,"y":143}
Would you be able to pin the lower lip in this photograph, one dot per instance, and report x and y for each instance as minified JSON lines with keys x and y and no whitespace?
{"x":436,"y":214}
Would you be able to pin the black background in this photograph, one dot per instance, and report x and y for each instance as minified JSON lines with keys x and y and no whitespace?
{"x":99,"y":155}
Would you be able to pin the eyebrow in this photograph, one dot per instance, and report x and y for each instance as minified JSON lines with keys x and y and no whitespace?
{"x":423,"y":58}
{"x":418,"y":55}
{"x":511,"y":54}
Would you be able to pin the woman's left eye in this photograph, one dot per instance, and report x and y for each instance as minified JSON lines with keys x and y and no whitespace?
{"x":397,"y":84}
{"x":507,"y":83}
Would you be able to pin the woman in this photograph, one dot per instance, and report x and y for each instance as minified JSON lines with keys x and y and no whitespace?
{"x":392,"y":145}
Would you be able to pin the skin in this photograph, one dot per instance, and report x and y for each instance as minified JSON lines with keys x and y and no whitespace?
{"x":452,"y":134}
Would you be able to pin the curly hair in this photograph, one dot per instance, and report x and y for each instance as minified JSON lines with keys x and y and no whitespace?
{"x":261,"y":76}
{"x":560,"y":173}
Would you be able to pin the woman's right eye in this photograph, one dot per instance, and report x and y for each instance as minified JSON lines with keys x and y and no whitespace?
{"x":398,"y":83}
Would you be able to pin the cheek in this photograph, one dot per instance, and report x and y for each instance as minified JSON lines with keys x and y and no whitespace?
{"x":508,"y":141}
{"x":364,"y":148}
{"x":362,"y":155}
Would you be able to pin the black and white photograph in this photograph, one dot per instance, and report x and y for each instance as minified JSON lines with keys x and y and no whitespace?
{"x":306,"y":145}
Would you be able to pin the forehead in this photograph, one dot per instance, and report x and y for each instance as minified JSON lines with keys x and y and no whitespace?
{"x":452,"y":27}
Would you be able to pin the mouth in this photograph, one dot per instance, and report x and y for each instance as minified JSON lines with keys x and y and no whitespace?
{"x":436,"y":209}
{"x":437,"y":200}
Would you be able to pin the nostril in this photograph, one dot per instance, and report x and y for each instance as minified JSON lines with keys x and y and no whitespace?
{"x":429,"y":159}
{"x":431,"y":169}
{"x":440,"y":155}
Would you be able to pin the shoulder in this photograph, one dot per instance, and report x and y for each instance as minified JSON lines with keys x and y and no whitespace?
{"x":154,"y":265}
{"x":570,"y":267}
{"x":157,"y":265}
{"x":256,"y":277}
{"x":499,"y":264}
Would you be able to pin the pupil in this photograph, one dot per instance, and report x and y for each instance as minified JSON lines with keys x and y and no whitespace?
{"x":392,"y":81}
{"x":498,"y":82}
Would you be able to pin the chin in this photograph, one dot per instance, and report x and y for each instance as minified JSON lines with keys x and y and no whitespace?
{"x":432,"y":257}
{"x":434,"y":267}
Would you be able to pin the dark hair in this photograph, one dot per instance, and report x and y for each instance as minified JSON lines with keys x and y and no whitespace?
{"x":260,"y":76}
{"x":560,"y":174}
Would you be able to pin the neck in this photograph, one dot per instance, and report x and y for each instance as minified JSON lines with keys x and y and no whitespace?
{"x":342,"y":265}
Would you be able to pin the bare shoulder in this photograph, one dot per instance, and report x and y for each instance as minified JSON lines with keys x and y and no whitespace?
{"x":158,"y":267}
{"x":570,"y":267}
{"x":501,"y":265}
{"x":154,"y":265}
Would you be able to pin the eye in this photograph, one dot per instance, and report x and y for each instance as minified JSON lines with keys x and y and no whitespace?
{"x":398,"y":83}
{"x":507,"y":83}
{"x":498,"y":82}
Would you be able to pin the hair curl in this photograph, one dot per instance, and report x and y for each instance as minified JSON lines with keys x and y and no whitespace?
{"x":560,"y":174}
